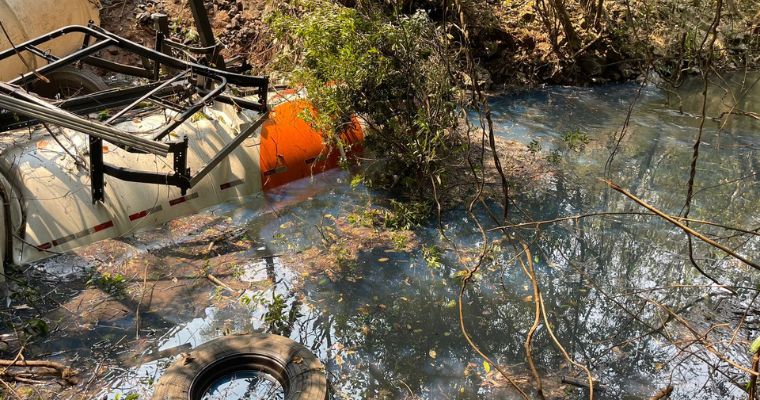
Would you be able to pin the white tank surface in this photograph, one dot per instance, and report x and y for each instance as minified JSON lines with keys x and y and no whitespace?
{"x":27,"y":19}
{"x":59,"y":213}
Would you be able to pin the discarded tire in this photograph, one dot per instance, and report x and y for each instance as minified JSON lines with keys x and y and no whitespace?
{"x":298,"y":370}
{"x":69,"y":82}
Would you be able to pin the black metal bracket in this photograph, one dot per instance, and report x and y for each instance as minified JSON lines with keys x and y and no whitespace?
{"x":180,"y":177}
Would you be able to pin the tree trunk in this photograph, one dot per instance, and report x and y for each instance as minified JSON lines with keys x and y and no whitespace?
{"x":592,"y":13}
{"x":543,"y":12}
{"x":599,"y":12}
{"x":571,"y":36}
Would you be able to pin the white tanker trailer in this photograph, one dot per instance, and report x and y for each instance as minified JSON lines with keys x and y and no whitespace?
{"x":178,"y":137}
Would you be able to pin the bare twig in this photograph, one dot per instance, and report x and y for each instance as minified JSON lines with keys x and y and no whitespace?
{"x":755,"y":232}
{"x":685,"y":228}
{"x":749,"y":114}
{"x":79,"y":163}
{"x":139,"y":303}
{"x":477,"y":349}
{"x":18,"y":53}
{"x":536,"y":320}
{"x":753,"y":378}
{"x":582,"y":384}
{"x":217,"y":282}
{"x":589,"y":377}
{"x":701,"y":338}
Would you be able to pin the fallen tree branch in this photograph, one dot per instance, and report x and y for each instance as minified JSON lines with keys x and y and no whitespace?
{"x":219,"y":283}
{"x":41,"y":367}
{"x":583,"y":383}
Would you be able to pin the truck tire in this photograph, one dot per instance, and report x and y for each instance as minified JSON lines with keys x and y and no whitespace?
{"x":69,"y":82}
{"x":298,"y":370}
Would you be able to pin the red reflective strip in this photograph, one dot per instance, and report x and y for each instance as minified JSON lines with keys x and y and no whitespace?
{"x":138,"y":215}
{"x":78,"y":235}
{"x":228,"y":185}
{"x":103,"y":226}
{"x":277,"y":170}
{"x":145,"y":213}
{"x":178,"y":200}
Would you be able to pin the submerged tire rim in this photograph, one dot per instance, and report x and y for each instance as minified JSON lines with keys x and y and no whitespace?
{"x":235,"y":363}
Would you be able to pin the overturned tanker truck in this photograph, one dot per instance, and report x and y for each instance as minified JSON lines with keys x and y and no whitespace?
{"x":82,"y":161}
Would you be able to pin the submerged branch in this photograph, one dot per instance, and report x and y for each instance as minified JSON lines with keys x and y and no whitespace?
{"x":685,"y":228}
{"x":39,"y":368}
{"x":477,"y":349}
{"x":701,"y":338}
{"x":528,"y":345}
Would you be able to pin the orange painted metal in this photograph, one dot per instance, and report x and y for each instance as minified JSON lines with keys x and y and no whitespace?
{"x":292,"y":149}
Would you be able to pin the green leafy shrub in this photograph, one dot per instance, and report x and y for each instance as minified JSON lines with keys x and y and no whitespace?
{"x":114,"y":284}
{"x":390,"y":69}
{"x":405,"y":215}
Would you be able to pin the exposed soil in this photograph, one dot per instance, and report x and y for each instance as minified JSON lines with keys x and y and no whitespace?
{"x":238,"y":25}
{"x":512,"y":43}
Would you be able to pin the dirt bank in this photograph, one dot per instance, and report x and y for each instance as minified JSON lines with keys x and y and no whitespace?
{"x":238,"y":25}
{"x":517,"y":43}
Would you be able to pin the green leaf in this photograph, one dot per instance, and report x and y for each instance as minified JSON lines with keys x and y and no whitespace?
{"x":487,"y":366}
{"x":755,"y":346}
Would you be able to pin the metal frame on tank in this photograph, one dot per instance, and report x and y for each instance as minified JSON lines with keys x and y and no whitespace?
{"x":165,"y":81}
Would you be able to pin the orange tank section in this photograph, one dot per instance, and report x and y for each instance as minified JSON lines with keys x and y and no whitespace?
{"x":292,"y":149}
